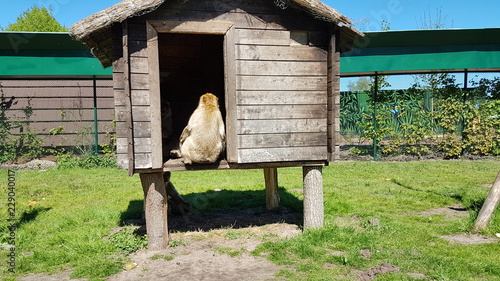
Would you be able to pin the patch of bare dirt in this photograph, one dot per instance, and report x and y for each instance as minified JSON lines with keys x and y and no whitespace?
{"x":372,"y":273}
{"x":449,"y":212}
{"x":470,"y":239}
{"x":222,"y":254}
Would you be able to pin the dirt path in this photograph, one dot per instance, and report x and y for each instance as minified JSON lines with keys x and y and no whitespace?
{"x":216,"y":255}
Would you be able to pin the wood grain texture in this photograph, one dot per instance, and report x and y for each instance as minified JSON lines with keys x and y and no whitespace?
{"x":282,"y":154}
{"x":281,"y":83}
{"x":281,"y":111}
{"x":272,"y":190}
{"x":282,"y":125}
{"x":313,"y":197}
{"x":154,"y":95}
{"x":282,"y":140}
{"x":156,"y":208}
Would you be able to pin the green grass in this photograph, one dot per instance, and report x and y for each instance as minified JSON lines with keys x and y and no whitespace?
{"x":70,"y":225}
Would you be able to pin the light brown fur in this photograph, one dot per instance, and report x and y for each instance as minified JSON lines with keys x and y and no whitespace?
{"x":203,"y":139}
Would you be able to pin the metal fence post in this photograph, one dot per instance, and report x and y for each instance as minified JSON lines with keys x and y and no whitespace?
{"x":375,"y":125}
{"x":96,"y":127}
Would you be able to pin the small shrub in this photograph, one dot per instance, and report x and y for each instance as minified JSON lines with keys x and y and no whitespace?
{"x":88,"y":161}
{"x":128,"y":241}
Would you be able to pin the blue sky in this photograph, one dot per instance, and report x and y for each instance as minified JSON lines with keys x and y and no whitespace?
{"x":401,"y":14}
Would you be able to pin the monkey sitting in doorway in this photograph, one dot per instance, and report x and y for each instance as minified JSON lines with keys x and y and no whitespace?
{"x":204,"y":137}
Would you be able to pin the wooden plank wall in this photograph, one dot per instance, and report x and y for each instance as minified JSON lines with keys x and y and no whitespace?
{"x":61,"y":103}
{"x":281,"y":78}
{"x":139,"y":98}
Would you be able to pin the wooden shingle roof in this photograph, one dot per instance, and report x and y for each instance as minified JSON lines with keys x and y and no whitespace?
{"x":94,"y":31}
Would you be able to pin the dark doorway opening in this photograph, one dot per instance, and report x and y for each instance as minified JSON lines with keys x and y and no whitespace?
{"x":190,"y":66}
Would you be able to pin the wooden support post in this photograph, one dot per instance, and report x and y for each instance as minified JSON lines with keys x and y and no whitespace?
{"x":156,"y":210}
{"x":313,"y":197}
{"x":489,"y":206}
{"x":272,"y":192}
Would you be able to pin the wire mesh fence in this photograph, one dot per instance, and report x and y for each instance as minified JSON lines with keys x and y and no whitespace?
{"x":430,"y":115}
{"x":76,"y":114}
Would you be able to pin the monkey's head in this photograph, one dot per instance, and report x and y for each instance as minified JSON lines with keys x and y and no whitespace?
{"x":209,"y":100}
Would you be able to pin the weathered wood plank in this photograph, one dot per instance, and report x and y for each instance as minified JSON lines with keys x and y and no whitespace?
{"x":128,"y":117}
{"x":281,"y":97}
{"x":153,"y":68}
{"x":282,"y":140}
{"x":242,"y":18}
{"x":139,"y":97}
{"x":272,"y":190}
{"x":141,"y":129}
{"x":122,"y":161}
{"x":263,"y":37}
{"x":139,"y":81}
{"x":178,"y":165}
{"x":142,"y":145}
{"x":281,"y":83}
{"x":280,"y":53}
{"x":139,"y":65}
{"x":191,"y":27}
{"x":140,"y":113}
{"x":142,"y":161}
{"x":283,"y":125}
{"x":118,"y":82}
{"x":306,"y":68}
{"x":138,"y":48}
{"x":281,"y":111}
{"x":230,"y":96}
{"x":282,"y":154}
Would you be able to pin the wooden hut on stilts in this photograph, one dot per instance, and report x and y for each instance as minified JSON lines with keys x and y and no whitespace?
{"x":274,"y":65}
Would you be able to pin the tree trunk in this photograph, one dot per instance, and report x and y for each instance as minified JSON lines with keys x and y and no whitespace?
{"x":313,"y":197}
{"x":272,"y":192}
{"x":489,"y":206}
{"x":156,"y":210}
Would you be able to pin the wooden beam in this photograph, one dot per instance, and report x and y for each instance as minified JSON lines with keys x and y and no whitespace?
{"x":313,"y":197}
{"x":272,"y":191}
{"x":154,"y":96}
{"x":489,"y":206}
{"x":230,"y":96}
{"x":333,"y":98}
{"x":155,"y":210}
{"x":192,"y":27}
{"x":128,"y":100}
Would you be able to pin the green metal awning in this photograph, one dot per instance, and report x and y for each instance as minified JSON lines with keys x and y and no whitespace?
{"x":423,"y":51}
{"x":24,"y":54}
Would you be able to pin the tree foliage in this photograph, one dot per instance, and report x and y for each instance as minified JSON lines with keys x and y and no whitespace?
{"x":36,"y":19}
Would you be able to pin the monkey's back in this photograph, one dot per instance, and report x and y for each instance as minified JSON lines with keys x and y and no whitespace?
{"x":205,"y":140}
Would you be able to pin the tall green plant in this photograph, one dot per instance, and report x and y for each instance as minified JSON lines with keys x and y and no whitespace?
{"x":24,"y":144}
{"x":7,"y":148}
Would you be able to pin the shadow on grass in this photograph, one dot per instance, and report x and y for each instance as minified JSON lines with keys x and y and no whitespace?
{"x":473,"y":205}
{"x":224,"y":209}
{"x":30,"y":215}
{"x":454,"y":196}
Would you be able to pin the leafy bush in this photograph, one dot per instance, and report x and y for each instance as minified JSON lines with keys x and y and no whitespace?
{"x":88,"y":161}
{"x":23,"y":144}
{"x":439,"y":116}
{"x":128,"y":240}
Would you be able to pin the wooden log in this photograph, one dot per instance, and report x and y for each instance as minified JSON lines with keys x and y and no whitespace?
{"x":156,"y":210}
{"x":489,"y":206}
{"x":313,"y":197}
{"x":272,"y":192}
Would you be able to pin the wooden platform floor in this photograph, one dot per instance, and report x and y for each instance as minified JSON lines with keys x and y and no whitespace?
{"x":222,"y":164}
